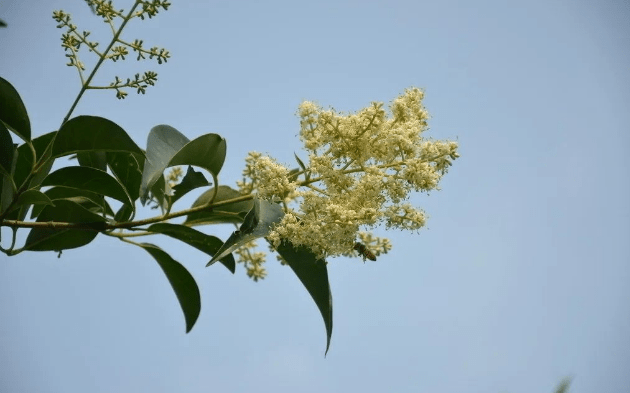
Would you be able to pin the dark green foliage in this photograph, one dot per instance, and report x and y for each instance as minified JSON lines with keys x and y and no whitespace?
{"x":93,"y":159}
{"x":127,"y":168}
{"x":93,"y":202}
{"x":53,"y":239}
{"x":74,"y":207}
{"x":6,"y":150}
{"x":88,"y":179}
{"x":32,"y":197}
{"x":26,"y":161}
{"x":202,"y":242}
{"x":167,"y":147}
{"x":13,"y":112}
{"x":182,"y":282}
{"x":92,"y":133}
{"x":191,"y":181}
{"x":313,"y":273}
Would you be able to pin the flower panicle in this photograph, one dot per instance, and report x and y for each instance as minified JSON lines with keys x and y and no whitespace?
{"x":362,"y":168}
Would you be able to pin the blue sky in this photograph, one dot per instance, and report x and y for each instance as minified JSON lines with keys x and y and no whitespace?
{"x":520,"y":278}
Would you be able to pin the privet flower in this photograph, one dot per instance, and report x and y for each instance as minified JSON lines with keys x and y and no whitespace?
{"x":361,"y":169}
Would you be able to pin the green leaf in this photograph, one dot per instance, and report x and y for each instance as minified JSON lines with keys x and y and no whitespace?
{"x":128,"y":171}
{"x":7,"y":191}
{"x":32,"y":197}
{"x":6,"y":150}
{"x":202,"y":242}
{"x":163,"y":144}
{"x":206,"y":151}
{"x":13,"y":112}
{"x":50,"y":239}
{"x":231,"y":213}
{"x":314,"y":275}
{"x":88,"y":179}
{"x":88,"y":200}
{"x":93,"y":159}
{"x":91,"y":133}
{"x":168,"y":147}
{"x":25,"y":160}
{"x":182,"y":282}
{"x":257,"y":223}
{"x":191,"y":180}
{"x":6,"y":195}
{"x":124,"y":214}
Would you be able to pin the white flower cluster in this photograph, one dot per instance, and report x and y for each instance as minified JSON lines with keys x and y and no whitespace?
{"x":361,"y":169}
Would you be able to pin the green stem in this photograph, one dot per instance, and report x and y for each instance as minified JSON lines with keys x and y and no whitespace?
{"x":122,"y":225}
{"x":101,"y":59}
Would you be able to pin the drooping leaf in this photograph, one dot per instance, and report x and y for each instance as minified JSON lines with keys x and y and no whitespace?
{"x":6,"y":150}
{"x":313,"y":273}
{"x":205,"y":243}
{"x":92,"y":133}
{"x":128,"y":171}
{"x":13,"y":112}
{"x":163,"y":144}
{"x":93,"y":159}
{"x":88,"y":179}
{"x":88,"y":200}
{"x":32,"y":197}
{"x":191,"y":180}
{"x":230,"y":213}
{"x":54,"y":239}
{"x":257,"y":223}
{"x":168,"y":147}
{"x":182,"y":282}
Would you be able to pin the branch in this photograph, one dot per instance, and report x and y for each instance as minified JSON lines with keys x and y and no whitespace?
{"x":121,"y":225}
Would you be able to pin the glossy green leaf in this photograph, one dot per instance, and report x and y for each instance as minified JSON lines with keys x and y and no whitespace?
{"x":124,"y":214}
{"x":191,"y":181}
{"x":88,"y":200}
{"x":163,"y":144}
{"x":231,"y":213}
{"x":168,"y":147}
{"x":50,"y":239}
{"x":88,"y":179}
{"x":313,"y":273}
{"x":128,"y":170}
{"x":6,"y":150}
{"x":182,"y":282}
{"x":25,"y":159}
{"x":8,"y":188}
{"x":93,"y":159}
{"x":91,"y":133}
{"x":206,"y":151}
{"x":6,"y":195}
{"x":13,"y":112}
{"x":32,"y":197}
{"x":257,"y":223}
{"x":205,"y":243}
